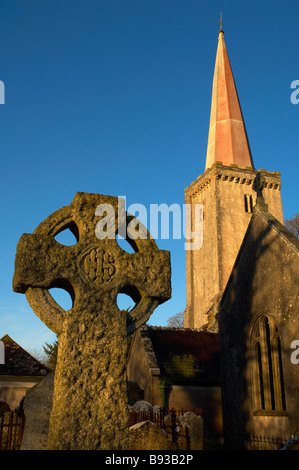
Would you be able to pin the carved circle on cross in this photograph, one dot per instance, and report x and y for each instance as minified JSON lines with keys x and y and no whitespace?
{"x":90,"y":268}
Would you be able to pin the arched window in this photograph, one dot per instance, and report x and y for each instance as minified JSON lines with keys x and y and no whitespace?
{"x":268,"y":383}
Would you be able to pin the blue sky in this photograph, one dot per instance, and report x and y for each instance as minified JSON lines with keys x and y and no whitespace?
{"x":113,"y":97}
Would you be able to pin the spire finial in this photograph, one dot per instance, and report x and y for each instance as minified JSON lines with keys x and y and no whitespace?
{"x":220,"y":23}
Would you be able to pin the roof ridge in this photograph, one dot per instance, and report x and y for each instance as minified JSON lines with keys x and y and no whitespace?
{"x":6,"y":336}
{"x":17,"y":352}
{"x":278,"y":227}
{"x":173,"y":328}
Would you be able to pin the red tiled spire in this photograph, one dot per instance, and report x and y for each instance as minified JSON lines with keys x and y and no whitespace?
{"x":227,"y":140}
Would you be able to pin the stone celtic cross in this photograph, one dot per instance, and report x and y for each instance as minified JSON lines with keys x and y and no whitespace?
{"x":90,"y":398}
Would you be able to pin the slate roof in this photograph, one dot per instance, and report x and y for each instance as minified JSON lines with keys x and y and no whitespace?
{"x":19,"y":362}
{"x":183,"y":355}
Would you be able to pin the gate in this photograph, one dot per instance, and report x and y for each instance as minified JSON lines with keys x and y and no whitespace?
{"x":11,"y":430}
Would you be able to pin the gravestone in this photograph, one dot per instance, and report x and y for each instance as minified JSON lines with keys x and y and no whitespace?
{"x":189,"y":430}
{"x":37,"y":408}
{"x":196,"y":430}
{"x":149,"y":436}
{"x":90,"y":398}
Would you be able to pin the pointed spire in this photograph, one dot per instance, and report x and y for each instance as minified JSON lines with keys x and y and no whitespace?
{"x":227,"y":140}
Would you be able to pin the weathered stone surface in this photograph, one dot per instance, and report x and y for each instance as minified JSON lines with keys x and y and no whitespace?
{"x":37,"y":408}
{"x":142,"y":405}
{"x":196,"y":427}
{"x":148,"y":436}
{"x":188,"y":429}
{"x":90,"y":396}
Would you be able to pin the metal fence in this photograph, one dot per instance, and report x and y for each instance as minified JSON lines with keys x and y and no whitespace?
{"x":261,"y":442}
{"x":167,"y":420}
{"x":11,"y":430}
{"x":12,"y":425}
{"x":157,"y":416}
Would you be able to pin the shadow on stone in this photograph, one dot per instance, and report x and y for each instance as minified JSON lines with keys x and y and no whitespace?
{"x":37,"y":408}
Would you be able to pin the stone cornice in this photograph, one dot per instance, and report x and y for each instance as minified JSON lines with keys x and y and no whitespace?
{"x":232,"y":173}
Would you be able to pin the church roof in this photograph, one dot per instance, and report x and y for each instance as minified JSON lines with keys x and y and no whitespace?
{"x":255,"y":244}
{"x":19,"y":362}
{"x":184,"y":355}
{"x":227,"y":141}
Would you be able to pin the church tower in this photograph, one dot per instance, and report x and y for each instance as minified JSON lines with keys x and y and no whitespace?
{"x":225,"y":191}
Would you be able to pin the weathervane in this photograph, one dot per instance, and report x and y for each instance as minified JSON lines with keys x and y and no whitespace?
{"x":220,"y":22}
